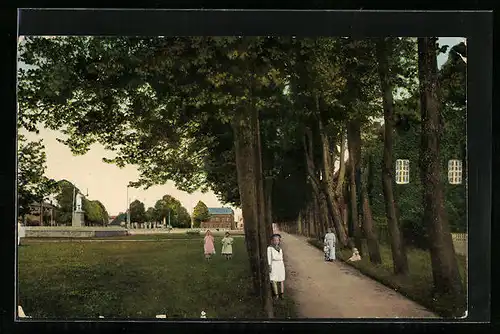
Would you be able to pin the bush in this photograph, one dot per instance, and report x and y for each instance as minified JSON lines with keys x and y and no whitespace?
{"x":414,"y":234}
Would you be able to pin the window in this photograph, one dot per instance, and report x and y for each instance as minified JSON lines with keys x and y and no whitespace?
{"x":402,"y":171}
{"x":455,"y":171}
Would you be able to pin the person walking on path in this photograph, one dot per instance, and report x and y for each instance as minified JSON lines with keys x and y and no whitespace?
{"x":208,"y":246}
{"x":330,"y":242}
{"x":276,"y":266}
{"x":227,"y":246}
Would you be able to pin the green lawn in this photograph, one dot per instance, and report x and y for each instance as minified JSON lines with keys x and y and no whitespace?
{"x":417,"y":286}
{"x":128,"y":237}
{"x":137,"y":280}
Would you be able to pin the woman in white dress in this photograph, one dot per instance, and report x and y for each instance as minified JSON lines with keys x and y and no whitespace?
{"x":276,"y":266}
{"x":329,"y":243}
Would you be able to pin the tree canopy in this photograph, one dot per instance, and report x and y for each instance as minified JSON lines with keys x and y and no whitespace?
{"x":264,"y":122}
{"x":200,"y":214}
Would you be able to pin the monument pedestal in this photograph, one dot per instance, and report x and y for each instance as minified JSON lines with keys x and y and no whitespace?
{"x":78,"y":219}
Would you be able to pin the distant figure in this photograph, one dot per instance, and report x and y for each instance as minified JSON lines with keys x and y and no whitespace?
{"x":329,"y":243}
{"x":227,"y":246}
{"x":276,"y":266}
{"x":20,"y":233}
{"x":209,"y":247}
{"x":355,"y":255}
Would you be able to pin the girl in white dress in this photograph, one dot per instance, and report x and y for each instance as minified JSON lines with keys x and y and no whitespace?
{"x":227,"y":246}
{"x":276,"y":266}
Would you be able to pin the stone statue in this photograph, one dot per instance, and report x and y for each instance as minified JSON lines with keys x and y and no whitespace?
{"x":78,"y":202}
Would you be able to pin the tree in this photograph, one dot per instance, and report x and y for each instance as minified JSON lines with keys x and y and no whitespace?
{"x":137,"y":212}
{"x":32,"y":185}
{"x":200,"y":214}
{"x":444,"y":263}
{"x":151,"y":215}
{"x":64,"y":198}
{"x":120,"y":218}
{"x":104,"y":216}
{"x":398,"y":252}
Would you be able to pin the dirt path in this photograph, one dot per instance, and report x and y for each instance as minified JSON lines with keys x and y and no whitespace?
{"x":336,"y":290}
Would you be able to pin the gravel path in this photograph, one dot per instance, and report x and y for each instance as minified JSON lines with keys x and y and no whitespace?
{"x":336,"y":290}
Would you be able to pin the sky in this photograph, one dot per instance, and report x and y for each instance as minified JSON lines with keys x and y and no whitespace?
{"x":108,"y":183}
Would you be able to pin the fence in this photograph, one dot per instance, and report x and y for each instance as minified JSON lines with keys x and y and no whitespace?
{"x":459,"y":236}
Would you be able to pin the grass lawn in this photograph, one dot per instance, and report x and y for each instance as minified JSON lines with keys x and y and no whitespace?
{"x":417,"y":286}
{"x":137,"y":280}
{"x":126,"y":237}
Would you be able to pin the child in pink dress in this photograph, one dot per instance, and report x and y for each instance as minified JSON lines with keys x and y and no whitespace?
{"x":209,"y":247}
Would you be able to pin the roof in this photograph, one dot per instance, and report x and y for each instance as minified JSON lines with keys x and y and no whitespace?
{"x":220,"y":211}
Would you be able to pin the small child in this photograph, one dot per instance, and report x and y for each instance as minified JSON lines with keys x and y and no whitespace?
{"x":355,"y":256}
{"x":326,"y":250}
{"x":227,"y":246}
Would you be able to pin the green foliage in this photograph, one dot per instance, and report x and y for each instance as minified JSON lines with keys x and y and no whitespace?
{"x":95,"y":212}
{"x":151,"y":215}
{"x":32,"y":185}
{"x":406,"y":146}
{"x":64,"y":197}
{"x":200,"y":214}
{"x":137,"y":212}
{"x":167,"y":207}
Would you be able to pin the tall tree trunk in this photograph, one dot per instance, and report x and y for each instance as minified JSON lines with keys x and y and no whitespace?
{"x":268,"y":189}
{"x":340,"y":182}
{"x":329,"y":187}
{"x":444,"y":263}
{"x":398,"y":252}
{"x":371,"y":235}
{"x":264,"y":223}
{"x":312,"y":219}
{"x":41,"y":212}
{"x":245,"y":142}
{"x":354,"y":147}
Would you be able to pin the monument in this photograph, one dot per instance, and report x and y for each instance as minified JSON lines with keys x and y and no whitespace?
{"x":78,"y":214}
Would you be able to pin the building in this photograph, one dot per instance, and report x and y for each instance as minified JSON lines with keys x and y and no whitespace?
{"x":220,"y":218}
{"x":34,"y":217}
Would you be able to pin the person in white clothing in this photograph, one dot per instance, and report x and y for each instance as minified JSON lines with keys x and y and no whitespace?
{"x":276,"y":266}
{"x":329,"y":243}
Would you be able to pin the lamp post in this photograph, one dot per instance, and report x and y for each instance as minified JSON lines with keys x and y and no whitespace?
{"x":128,"y":209}
{"x":73,"y":205}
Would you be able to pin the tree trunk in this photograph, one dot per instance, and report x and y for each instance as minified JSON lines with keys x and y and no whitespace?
{"x":340,"y":182}
{"x":264,"y":219}
{"x":329,"y":187}
{"x":444,"y":263}
{"x":41,"y":212}
{"x":354,"y":147}
{"x":371,"y":235}
{"x":398,"y":252}
{"x":268,"y":188}
{"x":244,"y":143}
